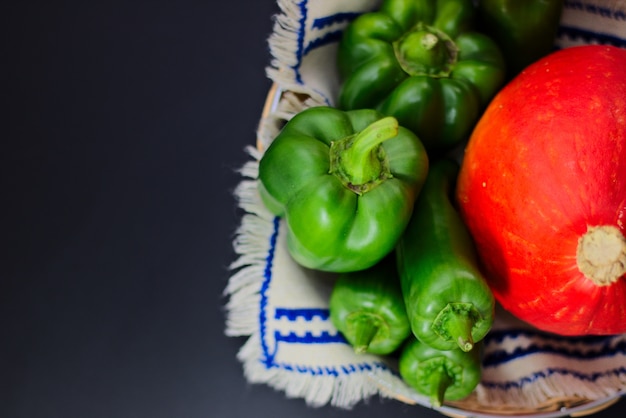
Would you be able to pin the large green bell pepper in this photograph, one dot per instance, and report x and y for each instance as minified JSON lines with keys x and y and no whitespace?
{"x":420,"y":61}
{"x":524,"y":30}
{"x":345,"y":182}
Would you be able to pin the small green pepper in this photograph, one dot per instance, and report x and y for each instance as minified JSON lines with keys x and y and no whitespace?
{"x":418,"y":60}
{"x":524,"y":30}
{"x":441,"y":375}
{"x":345,"y":182}
{"x":367,"y":308}
{"x":448,"y":301}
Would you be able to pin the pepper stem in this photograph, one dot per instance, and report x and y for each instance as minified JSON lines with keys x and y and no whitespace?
{"x":455,"y":323}
{"x":460,"y":327}
{"x":426,"y":50}
{"x":359,"y":160}
{"x":363,"y":329}
{"x":438,"y":382}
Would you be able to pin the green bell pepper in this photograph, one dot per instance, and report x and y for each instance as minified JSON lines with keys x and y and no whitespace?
{"x":421,"y":62}
{"x":524,"y":30}
{"x":441,"y":375}
{"x":448,"y":300}
{"x":345,"y":182}
{"x":367,"y":307}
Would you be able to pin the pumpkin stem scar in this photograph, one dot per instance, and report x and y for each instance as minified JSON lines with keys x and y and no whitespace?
{"x":601,"y":254}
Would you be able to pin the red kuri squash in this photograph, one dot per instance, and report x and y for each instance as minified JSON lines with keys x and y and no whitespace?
{"x":542,"y":189}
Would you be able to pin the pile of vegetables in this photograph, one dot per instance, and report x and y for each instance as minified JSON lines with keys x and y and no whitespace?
{"x":424,"y":246}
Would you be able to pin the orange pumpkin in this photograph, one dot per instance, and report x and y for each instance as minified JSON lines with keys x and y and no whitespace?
{"x":542,"y":189}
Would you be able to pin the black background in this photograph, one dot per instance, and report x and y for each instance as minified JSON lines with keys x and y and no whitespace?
{"x":126,"y":125}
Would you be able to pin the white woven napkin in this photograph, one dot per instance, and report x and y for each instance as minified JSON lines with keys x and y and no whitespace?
{"x":283,"y":308}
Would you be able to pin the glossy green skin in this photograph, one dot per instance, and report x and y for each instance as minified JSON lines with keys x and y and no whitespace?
{"x":524,"y":30}
{"x":440,"y":108}
{"x":368,"y":309}
{"x":330,"y":227}
{"x":441,"y":375}
{"x":438,"y":265}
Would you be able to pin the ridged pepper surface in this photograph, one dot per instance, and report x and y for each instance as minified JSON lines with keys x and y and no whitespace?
{"x":345,"y":183}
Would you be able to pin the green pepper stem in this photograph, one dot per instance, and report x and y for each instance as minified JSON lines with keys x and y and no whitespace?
{"x":363,"y":331}
{"x":438,"y":382}
{"x":460,"y":328}
{"x":455,"y":323}
{"x":427,"y":51}
{"x":359,"y":160}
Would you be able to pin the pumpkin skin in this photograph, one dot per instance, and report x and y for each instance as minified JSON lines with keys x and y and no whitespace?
{"x":545,"y":164}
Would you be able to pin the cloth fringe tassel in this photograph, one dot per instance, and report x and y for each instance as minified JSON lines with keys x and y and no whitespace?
{"x":556,"y":386}
{"x":282,"y":43}
{"x":251,"y":246}
{"x":342,"y":391}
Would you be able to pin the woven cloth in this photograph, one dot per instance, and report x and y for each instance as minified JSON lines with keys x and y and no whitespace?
{"x":283,"y":308}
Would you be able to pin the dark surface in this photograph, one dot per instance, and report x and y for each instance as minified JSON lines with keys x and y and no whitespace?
{"x":126,"y":124}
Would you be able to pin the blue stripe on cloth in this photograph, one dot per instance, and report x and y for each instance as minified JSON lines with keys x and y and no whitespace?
{"x":595,"y":346}
{"x":301,"y":50}
{"x":587,"y":377}
{"x":332,"y":370}
{"x":322,"y":22}
{"x":589,"y":37}
{"x":595,"y":9}
{"x":497,"y":336}
{"x":318,"y":23}
{"x":307,"y":314}
{"x":300,"y":41}
{"x":267,"y":278}
{"x":499,"y":357}
{"x":328,"y":38}
{"x":308,"y":338}
{"x":268,"y":359}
